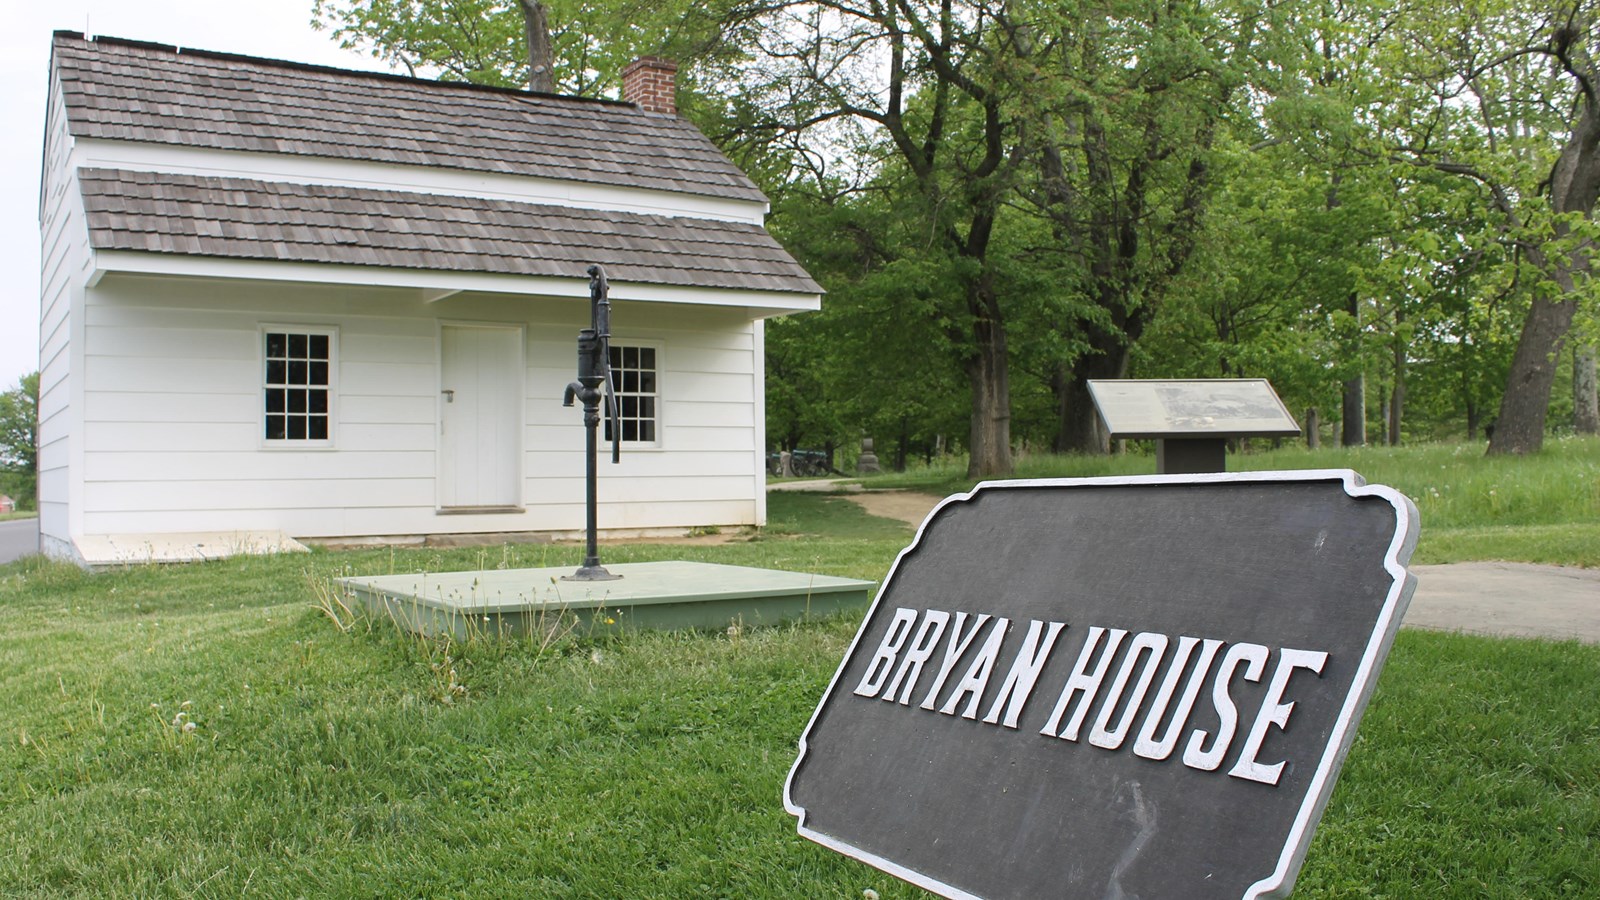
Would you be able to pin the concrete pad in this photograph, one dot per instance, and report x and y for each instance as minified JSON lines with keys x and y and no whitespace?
{"x":97,"y":550}
{"x":648,"y":595}
{"x":1503,"y":598}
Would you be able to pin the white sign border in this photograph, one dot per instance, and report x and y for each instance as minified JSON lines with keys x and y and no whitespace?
{"x":1279,"y":882}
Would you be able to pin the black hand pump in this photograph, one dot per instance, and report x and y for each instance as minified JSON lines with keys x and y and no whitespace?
{"x":594,"y":370}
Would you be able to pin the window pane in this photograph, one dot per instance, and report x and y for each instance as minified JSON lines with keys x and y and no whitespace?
{"x":318,"y":373}
{"x":647,"y":407}
{"x":630,"y":357}
{"x":297,"y":401}
{"x":275,"y":400}
{"x":630,"y":430}
{"x":276,"y":429}
{"x":318,"y":402}
{"x":647,"y":382}
{"x":297,"y":346}
{"x":277,"y":345}
{"x":277,"y":371}
{"x":647,"y":357}
{"x":630,"y":382}
{"x":319,"y":346}
{"x":630,"y":407}
{"x":319,"y":428}
{"x":297,"y":428}
{"x":647,"y":430}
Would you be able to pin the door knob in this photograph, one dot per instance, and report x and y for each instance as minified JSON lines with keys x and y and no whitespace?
{"x":449,"y":395}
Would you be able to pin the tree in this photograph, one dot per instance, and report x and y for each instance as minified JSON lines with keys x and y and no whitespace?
{"x":584,"y":43}
{"x":19,"y":440}
{"x":1507,"y":96}
{"x":536,"y":29}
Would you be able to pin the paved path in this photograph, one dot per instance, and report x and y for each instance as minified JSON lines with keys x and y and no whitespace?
{"x":1508,"y":598}
{"x":18,"y":538}
{"x":1497,"y":598}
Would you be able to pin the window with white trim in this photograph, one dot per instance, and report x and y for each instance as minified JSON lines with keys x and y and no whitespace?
{"x":636,"y":383}
{"x":297,"y":385}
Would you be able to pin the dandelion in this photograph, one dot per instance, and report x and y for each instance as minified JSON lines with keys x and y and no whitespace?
{"x":869,"y":894}
{"x":189,"y":727}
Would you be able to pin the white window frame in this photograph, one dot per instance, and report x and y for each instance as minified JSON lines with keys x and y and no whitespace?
{"x":263,"y":403}
{"x":621,"y":347}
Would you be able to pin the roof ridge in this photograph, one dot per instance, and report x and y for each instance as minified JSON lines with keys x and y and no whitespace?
{"x":274,"y":62}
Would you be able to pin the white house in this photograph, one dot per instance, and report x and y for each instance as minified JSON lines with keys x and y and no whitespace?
{"x":283,"y":300}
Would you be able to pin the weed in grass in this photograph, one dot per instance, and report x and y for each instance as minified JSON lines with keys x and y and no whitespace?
{"x":330,"y":600}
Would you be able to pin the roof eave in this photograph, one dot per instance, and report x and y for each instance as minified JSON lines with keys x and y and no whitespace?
{"x":433,"y":285}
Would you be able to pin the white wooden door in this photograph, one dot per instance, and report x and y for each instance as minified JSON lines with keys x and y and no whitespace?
{"x":480,"y":417}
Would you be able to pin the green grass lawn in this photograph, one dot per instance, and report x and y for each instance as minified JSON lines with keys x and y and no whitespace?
{"x":367,"y":763}
{"x":1543,"y":508}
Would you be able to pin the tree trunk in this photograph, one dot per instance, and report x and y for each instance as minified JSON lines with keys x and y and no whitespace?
{"x":1383,"y":416}
{"x":1574,"y":188}
{"x":536,"y":25}
{"x":990,"y":443}
{"x":1520,"y":426}
{"x":1313,"y":428}
{"x":900,"y":446}
{"x":1353,"y":413}
{"x":1397,"y":400}
{"x":1585,"y":402}
{"x":1472,"y":419}
{"x":1080,"y":428}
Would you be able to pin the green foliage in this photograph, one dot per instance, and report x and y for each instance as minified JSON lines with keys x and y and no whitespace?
{"x":484,"y":42}
{"x":19,"y":441}
{"x":1003,"y":200}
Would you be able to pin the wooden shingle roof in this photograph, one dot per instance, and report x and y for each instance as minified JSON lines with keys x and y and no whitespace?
{"x":243,"y":218}
{"x":132,"y":91}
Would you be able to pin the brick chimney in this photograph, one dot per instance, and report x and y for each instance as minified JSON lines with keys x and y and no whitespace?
{"x":651,"y":83}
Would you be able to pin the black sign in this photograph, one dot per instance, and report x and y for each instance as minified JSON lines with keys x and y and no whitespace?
{"x":1138,"y":687}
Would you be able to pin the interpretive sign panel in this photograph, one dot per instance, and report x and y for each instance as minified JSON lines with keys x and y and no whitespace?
{"x":1191,"y":408}
{"x":1135,"y":687}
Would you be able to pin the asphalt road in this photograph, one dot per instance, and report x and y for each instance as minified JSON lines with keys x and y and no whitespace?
{"x":18,"y":538}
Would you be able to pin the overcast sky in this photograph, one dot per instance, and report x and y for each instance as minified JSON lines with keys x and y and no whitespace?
{"x":276,"y":28}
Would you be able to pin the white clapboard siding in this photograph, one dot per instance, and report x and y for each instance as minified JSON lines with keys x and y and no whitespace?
{"x":288,"y":493}
{"x":170,"y":342}
{"x":174,"y":438}
{"x":250,"y":465}
{"x":637,"y":465}
{"x":369,"y":409}
{"x":170,"y":408}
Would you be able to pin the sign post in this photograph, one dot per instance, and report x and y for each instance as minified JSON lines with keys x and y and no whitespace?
{"x":1191,"y":419}
{"x":1150,"y":695}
